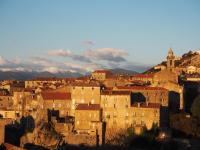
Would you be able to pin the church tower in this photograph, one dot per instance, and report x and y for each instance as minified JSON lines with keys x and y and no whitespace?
{"x":170,"y":60}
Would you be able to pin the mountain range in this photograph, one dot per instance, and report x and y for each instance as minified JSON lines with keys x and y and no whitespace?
{"x":26,"y":75}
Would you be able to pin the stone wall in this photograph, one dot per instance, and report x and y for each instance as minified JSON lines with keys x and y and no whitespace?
{"x":81,"y":139}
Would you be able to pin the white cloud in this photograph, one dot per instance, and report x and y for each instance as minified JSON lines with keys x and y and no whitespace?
{"x":60,"y":52}
{"x":41,"y":61}
{"x":52,"y":69}
{"x":108,"y":54}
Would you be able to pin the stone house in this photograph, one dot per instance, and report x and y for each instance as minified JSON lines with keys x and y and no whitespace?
{"x":147,"y":94}
{"x":116,"y":106}
{"x":57,"y":101}
{"x":101,"y":74}
{"x":84,"y":93}
{"x":88,"y":118}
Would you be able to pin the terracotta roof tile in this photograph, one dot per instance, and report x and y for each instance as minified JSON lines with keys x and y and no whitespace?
{"x":140,"y":88}
{"x":102,"y":71}
{"x":56,"y":96}
{"x":85,"y":84}
{"x":88,"y":107}
{"x":116,"y":93}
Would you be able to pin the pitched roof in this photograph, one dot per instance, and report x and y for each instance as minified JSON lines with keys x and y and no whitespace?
{"x":46,"y":79}
{"x":56,"y":96}
{"x":86,"y":84}
{"x":102,"y":71}
{"x":140,"y":88}
{"x":116,"y":92}
{"x":88,"y":107}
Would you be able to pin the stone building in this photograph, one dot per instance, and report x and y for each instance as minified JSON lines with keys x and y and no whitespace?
{"x":3,"y":122}
{"x":85,"y":93}
{"x":147,"y":78}
{"x":41,"y":81}
{"x":101,"y":75}
{"x":165,"y":76}
{"x":170,"y":60}
{"x":57,"y":101}
{"x":147,"y":94}
{"x":6,"y":101}
{"x":145,"y":114}
{"x":115,"y":105}
{"x":88,"y":119}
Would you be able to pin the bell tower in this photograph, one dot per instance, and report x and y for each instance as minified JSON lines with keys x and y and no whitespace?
{"x":170,"y":60}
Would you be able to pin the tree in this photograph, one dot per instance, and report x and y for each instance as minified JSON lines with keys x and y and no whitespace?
{"x":195,"y":109}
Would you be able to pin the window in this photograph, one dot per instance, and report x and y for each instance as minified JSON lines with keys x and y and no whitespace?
{"x":142,"y":122}
{"x":142,"y":114}
{"x":170,"y":62}
{"x":114,"y":122}
{"x":134,"y":122}
{"x":114,"y":114}
{"x":93,"y":125}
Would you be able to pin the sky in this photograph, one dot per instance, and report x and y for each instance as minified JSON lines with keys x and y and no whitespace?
{"x":84,"y":35}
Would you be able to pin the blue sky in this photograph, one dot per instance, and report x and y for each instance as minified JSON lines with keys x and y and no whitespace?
{"x":131,"y":34}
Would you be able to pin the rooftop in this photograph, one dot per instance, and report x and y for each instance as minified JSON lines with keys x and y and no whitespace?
{"x":56,"y":96}
{"x":102,"y":71}
{"x":86,"y":84}
{"x":116,"y":92}
{"x":140,"y":88}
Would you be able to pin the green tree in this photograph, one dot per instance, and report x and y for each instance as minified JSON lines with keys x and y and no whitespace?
{"x":195,"y":109}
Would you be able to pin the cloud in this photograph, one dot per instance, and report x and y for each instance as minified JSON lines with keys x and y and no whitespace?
{"x":107,"y":54}
{"x":68,"y":53}
{"x":84,"y":67}
{"x":3,"y":61}
{"x":81,"y":58}
{"x":40,"y":61}
{"x":89,"y":60}
{"x":60,"y":52}
{"x":87,"y":43}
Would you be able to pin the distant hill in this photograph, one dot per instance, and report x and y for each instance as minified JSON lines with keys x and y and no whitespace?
{"x":121,"y":71}
{"x":22,"y":75}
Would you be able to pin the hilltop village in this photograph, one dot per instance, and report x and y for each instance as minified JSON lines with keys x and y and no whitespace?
{"x":91,"y":109}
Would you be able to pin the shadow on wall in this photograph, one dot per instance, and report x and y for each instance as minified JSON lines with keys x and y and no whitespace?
{"x":138,"y":97}
{"x":174,"y":101}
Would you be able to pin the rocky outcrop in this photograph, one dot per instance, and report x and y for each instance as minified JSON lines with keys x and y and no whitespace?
{"x":44,"y":135}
